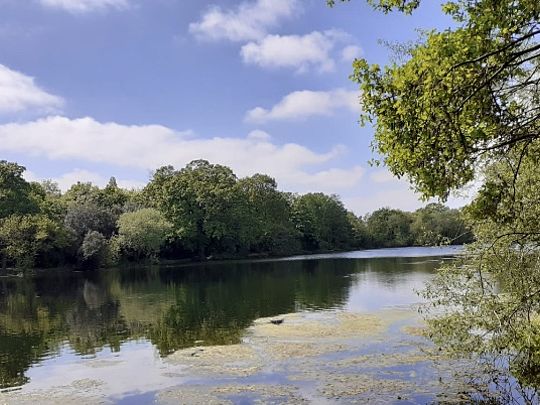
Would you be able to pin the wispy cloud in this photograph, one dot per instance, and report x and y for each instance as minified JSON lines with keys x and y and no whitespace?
{"x":350,"y":53}
{"x":19,"y":92}
{"x":249,"y":21}
{"x":85,"y":6}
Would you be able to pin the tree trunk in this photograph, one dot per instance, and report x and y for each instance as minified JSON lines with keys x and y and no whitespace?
{"x":202,"y":255}
{"x":200,"y":240}
{"x":3,"y":270}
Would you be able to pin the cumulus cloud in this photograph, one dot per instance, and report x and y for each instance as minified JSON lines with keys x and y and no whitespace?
{"x":299,"y":52}
{"x":19,"y":92}
{"x":295,"y":167}
{"x":249,"y":21}
{"x":350,"y":53}
{"x":306,"y":103}
{"x":84,"y":6}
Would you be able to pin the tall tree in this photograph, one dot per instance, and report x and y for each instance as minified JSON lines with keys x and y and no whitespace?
{"x":322,"y":221}
{"x":460,"y":97}
{"x":198,"y":201}
{"x":16,"y":194}
{"x":390,"y":228}
{"x":268,"y":215}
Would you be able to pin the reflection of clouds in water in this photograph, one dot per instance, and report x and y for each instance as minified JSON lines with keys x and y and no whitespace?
{"x":429,"y":251}
{"x":138,"y":364}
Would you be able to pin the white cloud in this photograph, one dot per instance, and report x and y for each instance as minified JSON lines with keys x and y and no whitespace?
{"x":350,"y":53}
{"x":19,"y":92}
{"x":299,"y":52}
{"x":66,"y":180}
{"x":306,"y":103}
{"x":386,"y":190}
{"x":295,"y":167}
{"x":259,"y":135}
{"x":331,"y":180}
{"x":383,"y":176}
{"x":249,"y":21}
{"x":84,"y":6}
{"x":398,"y":198}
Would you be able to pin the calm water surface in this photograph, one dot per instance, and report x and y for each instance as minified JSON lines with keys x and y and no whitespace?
{"x":119,"y":325}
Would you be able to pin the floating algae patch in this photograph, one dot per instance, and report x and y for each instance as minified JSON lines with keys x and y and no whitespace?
{"x":364,"y":388}
{"x":380,"y":360}
{"x":271,"y":341}
{"x":414,"y":330}
{"x":264,"y":393}
{"x":322,"y":357}
{"x":316,"y":326}
{"x":203,"y":354}
{"x":190,"y":395}
{"x":232,"y":360}
{"x":228,"y":394}
{"x":51,"y":397}
{"x":293,"y":350}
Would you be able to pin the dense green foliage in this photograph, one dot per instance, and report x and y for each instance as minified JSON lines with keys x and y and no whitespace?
{"x":200,"y":211}
{"x":463,"y":104}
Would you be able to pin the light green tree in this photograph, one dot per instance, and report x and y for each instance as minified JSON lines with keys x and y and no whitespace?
{"x":436,"y":224}
{"x":142,"y":233}
{"x":24,"y":237}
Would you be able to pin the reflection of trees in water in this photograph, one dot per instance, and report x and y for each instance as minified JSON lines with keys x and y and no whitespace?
{"x":391,"y":271}
{"x":215,"y":304}
{"x":323,"y":284}
{"x":25,"y":329}
{"x":172,"y":306}
{"x":38,"y":315}
{"x":94,"y":322}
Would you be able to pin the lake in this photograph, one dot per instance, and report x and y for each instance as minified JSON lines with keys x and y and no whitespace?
{"x":332,"y":328}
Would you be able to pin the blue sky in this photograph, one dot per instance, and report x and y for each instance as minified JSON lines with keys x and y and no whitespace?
{"x":94,"y":88}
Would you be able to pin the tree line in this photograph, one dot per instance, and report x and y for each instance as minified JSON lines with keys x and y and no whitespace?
{"x":201,"y":211}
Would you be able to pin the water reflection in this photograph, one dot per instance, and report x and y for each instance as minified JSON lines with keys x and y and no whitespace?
{"x":55,"y":315}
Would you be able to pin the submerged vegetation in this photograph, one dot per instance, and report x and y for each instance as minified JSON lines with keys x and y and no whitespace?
{"x":200,"y":211}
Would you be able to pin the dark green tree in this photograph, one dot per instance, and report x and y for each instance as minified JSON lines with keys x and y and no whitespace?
{"x":322,"y":221}
{"x":198,"y":200}
{"x":390,"y":228}
{"x":268,"y":215}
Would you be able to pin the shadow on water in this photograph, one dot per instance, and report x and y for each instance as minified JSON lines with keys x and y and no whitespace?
{"x":178,"y":307}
